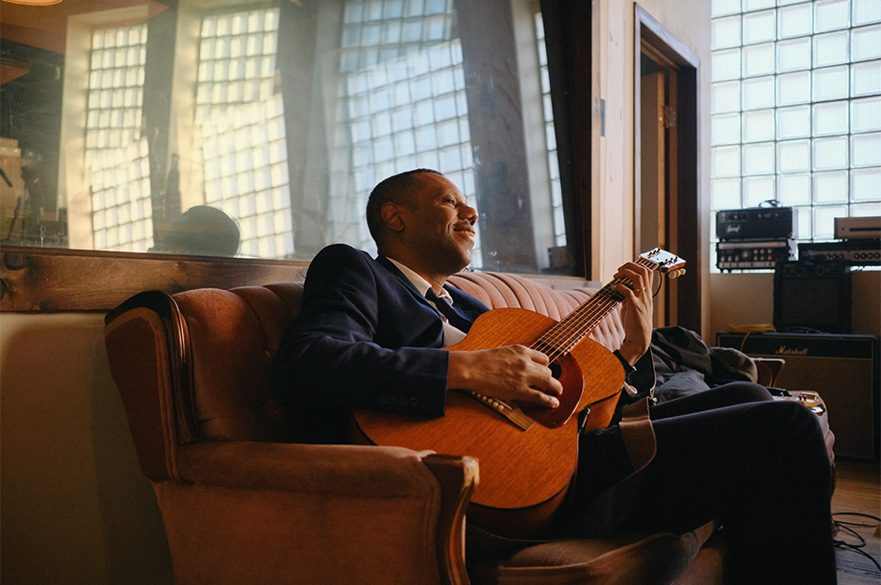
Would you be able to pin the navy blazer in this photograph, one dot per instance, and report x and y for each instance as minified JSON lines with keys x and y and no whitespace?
{"x":365,"y":338}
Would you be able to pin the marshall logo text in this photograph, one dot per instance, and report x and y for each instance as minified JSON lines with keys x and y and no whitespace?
{"x":783,"y":350}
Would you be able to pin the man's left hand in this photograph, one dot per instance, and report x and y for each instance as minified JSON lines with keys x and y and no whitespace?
{"x":637,"y":311}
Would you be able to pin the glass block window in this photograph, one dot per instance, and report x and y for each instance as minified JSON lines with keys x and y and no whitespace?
{"x":796,"y":108}
{"x":116,"y":154}
{"x":240,"y":114}
{"x":547,"y":110}
{"x":402,"y":106}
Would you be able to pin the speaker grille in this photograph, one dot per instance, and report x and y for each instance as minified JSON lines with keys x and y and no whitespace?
{"x":812,"y":296}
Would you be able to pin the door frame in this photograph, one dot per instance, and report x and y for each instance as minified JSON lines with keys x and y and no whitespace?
{"x":685,"y":294}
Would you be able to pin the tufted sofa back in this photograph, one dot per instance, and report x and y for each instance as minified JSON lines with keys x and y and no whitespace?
{"x":498,"y":290}
{"x":209,"y":352}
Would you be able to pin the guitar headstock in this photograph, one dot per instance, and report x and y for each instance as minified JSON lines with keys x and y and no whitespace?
{"x":665,"y":262}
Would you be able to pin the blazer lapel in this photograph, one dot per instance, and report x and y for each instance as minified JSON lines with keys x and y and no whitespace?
{"x":390,"y":266}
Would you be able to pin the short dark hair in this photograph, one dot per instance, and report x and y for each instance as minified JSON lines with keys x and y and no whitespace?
{"x":395,"y":189}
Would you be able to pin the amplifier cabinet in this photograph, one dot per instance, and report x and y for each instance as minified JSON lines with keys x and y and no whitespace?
{"x":812,"y":296}
{"x":843,"y":369}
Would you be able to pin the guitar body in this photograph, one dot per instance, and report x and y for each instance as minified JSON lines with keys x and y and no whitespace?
{"x":524,"y":474}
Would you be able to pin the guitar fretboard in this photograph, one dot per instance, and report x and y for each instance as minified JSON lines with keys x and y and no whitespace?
{"x":562,"y":337}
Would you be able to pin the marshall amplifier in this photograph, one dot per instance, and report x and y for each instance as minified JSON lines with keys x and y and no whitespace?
{"x":843,"y":369}
{"x":755,"y":223}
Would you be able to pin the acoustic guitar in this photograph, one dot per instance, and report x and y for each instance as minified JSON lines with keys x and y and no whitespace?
{"x":527,"y":454}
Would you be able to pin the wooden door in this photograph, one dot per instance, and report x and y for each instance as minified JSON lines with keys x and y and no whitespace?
{"x":652,"y":220}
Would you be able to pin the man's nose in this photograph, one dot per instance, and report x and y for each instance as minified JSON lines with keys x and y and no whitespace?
{"x":469,"y":213}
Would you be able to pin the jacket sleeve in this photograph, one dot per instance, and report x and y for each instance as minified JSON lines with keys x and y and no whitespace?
{"x":640,"y":381}
{"x":330,"y":357}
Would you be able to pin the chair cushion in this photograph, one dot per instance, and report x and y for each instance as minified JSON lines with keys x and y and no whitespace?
{"x":620,"y":559}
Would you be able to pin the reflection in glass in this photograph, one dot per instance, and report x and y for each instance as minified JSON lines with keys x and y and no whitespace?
{"x":404,"y":107}
{"x":117,"y":155}
{"x":281,"y":116}
{"x":240,"y":118}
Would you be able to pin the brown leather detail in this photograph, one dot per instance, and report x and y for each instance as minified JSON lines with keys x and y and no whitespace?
{"x":638,"y":434}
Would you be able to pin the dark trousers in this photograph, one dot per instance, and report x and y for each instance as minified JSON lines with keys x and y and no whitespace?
{"x":732,"y":453}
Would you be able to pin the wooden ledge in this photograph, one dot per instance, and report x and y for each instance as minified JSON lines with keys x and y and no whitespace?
{"x":56,"y":280}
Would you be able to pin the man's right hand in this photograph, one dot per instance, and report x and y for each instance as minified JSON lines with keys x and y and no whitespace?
{"x":512,"y":372}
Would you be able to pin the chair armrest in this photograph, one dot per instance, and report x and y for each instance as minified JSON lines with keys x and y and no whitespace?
{"x":328,"y":469}
{"x":363,"y":492}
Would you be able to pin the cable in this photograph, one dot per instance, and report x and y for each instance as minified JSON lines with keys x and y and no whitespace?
{"x":861,"y":542}
{"x":770,"y":203}
{"x":660,"y":284}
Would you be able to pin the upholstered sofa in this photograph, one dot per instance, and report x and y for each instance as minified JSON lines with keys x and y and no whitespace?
{"x":245,"y":499}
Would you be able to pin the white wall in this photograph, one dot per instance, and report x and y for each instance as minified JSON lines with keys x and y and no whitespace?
{"x":76,"y":508}
{"x":748,"y":299}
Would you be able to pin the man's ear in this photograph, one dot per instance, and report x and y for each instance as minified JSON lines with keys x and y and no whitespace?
{"x":391,"y":216}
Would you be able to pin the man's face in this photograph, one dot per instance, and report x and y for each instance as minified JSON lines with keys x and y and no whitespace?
{"x":441,"y":226}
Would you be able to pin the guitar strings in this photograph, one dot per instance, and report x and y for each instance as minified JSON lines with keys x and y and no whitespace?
{"x":567,"y":333}
{"x":562,"y":337}
{"x":580,"y":322}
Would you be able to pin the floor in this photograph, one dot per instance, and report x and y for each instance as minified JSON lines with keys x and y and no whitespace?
{"x":858,"y":491}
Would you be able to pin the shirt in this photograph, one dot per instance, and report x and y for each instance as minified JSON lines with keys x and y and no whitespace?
{"x":452,"y":335}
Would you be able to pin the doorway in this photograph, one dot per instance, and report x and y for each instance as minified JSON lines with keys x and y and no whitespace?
{"x":666,"y":194}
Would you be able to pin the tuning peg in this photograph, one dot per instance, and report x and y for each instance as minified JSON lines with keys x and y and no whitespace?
{"x":675,"y":273}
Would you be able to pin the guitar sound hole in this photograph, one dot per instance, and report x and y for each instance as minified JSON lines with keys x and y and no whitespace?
{"x":556,"y":370}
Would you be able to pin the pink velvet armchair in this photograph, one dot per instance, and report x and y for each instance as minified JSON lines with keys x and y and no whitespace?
{"x":245,"y":500}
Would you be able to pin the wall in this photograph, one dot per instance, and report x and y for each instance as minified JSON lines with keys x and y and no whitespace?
{"x":748,"y":299}
{"x":76,"y":508}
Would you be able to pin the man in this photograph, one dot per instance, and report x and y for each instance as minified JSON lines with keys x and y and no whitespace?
{"x":370,"y":337}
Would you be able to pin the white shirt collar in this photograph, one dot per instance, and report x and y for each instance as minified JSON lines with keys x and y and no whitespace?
{"x":420,"y":283}
{"x":452,"y":335}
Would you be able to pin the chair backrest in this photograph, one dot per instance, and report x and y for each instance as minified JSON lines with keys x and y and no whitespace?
{"x":232,"y":339}
{"x":511,"y":290}
{"x":196,"y":365}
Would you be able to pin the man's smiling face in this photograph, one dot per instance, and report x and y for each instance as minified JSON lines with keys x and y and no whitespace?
{"x":441,"y":224}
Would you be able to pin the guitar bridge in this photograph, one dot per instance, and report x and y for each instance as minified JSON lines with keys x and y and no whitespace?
{"x":515,"y":415}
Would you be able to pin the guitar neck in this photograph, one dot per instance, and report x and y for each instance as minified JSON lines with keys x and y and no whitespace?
{"x":562,"y":337}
